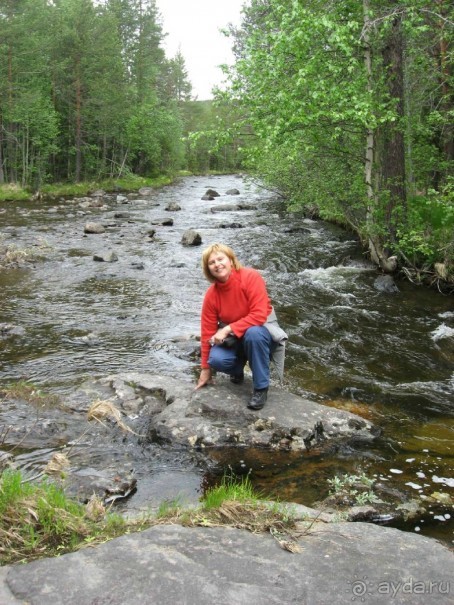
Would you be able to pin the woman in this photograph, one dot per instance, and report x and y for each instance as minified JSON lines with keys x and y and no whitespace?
{"x":236,"y":304}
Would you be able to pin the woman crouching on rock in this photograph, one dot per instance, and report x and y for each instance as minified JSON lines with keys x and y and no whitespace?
{"x":238,"y":324}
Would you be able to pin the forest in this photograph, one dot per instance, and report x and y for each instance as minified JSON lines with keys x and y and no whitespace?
{"x":343,"y":107}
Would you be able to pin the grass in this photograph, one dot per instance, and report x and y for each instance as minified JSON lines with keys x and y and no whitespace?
{"x":232,"y":489}
{"x":127,"y":183}
{"x":28,"y":392}
{"x":38,"y":520}
{"x":14,"y":192}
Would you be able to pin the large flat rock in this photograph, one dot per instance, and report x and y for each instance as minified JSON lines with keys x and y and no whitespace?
{"x":217,"y":415}
{"x":338,"y":563}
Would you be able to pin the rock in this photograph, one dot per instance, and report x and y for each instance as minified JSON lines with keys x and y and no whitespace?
{"x":173,"y":207}
{"x":89,"y":340}
{"x":191,"y":238}
{"x":386,"y":284}
{"x":166,"y":564}
{"x":146,"y":191}
{"x":94,"y":228}
{"x":122,"y":215}
{"x":165,"y":222}
{"x":212,"y":193}
{"x":138,"y":265}
{"x":304,"y":230}
{"x":106,"y":257}
{"x":10,"y":330}
{"x":225,"y":208}
{"x":207,"y":198}
{"x":232,"y":192}
{"x":219,"y":417}
{"x":151,"y":233}
{"x":232,"y":207}
{"x":230,"y":226}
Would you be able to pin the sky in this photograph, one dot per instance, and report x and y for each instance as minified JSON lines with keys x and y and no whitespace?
{"x":193,"y":27}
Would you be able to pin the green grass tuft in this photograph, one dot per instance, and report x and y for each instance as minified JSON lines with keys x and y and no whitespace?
{"x":232,"y":488}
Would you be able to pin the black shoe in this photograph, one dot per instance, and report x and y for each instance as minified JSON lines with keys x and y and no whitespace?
{"x":258,"y":399}
{"x":237,"y":378}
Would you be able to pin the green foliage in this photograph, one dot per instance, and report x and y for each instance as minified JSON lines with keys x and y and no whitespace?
{"x":319,"y":85}
{"x":210,"y":146}
{"x":356,"y":488}
{"x":79,"y":79}
{"x":426,"y":237}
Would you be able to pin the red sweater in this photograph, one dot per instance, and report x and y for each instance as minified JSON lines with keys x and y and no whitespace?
{"x":242,"y":301}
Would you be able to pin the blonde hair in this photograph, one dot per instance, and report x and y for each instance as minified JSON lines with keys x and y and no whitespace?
{"x":216,"y":248}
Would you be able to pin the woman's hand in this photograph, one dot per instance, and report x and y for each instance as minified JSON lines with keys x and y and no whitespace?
{"x":220,"y":335}
{"x":204,"y":378}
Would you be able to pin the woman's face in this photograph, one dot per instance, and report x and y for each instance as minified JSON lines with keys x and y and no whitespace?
{"x":220,"y":266}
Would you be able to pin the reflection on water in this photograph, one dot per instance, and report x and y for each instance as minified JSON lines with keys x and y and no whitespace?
{"x":387,"y":357}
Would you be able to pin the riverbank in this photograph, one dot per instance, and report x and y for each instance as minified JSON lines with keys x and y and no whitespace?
{"x":14,"y":193}
{"x":328,"y":563}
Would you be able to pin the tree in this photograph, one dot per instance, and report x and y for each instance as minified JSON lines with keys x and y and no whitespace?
{"x":326,"y":88}
{"x":176,"y":81}
{"x":28,"y":122}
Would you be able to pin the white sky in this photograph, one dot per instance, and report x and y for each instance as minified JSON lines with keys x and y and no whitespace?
{"x":193,"y":27}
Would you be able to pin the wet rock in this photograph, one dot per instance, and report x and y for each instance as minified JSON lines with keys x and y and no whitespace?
{"x":10,"y":330}
{"x":225,"y":208}
{"x":207,"y":198}
{"x":230,"y":226}
{"x":165,"y":222}
{"x":233,"y":192}
{"x":106,"y":257}
{"x":386,"y":284}
{"x":122,"y":215}
{"x":212,"y":193}
{"x":151,"y":233}
{"x":122,"y":488}
{"x":88,"y":340}
{"x":173,"y":207}
{"x":138,"y":265}
{"x":247,"y":207}
{"x":121,"y":199}
{"x":191,"y":238}
{"x":218,"y":416}
{"x":304,"y":230}
{"x":91,"y":227}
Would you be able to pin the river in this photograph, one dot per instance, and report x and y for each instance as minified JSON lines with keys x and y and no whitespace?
{"x":388,"y":357}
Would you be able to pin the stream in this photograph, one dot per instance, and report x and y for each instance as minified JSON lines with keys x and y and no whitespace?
{"x":386,"y":356}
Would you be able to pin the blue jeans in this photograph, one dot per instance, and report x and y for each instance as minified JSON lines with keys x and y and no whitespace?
{"x":255,"y":347}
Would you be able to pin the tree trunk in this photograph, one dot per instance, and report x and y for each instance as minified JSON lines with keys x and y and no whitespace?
{"x":447,"y":135}
{"x":78,"y":138}
{"x":2,"y":174}
{"x":393,"y":181}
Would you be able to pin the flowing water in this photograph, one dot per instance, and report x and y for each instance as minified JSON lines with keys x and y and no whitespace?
{"x":387,"y":357}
